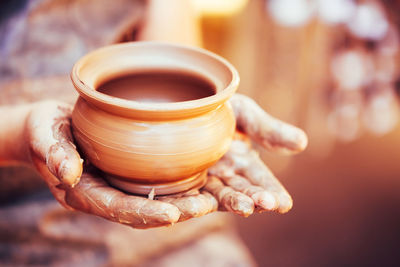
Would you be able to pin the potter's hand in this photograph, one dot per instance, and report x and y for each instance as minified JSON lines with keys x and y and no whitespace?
{"x":56,"y":158}
{"x":240,"y":181}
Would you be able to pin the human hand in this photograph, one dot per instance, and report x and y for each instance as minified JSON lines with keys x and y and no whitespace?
{"x":240,"y":181}
{"x":80,"y":187}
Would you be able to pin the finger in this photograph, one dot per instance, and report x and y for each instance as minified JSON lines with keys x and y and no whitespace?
{"x":260,"y":175}
{"x":93,"y":195}
{"x":193,"y":205}
{"x":51,"y":181}
{"x":243,"y":160}
{"x":264,"y":129}
{"x":228,"y":198}
{"x":261,"y":197}
{"x":50,"y":138}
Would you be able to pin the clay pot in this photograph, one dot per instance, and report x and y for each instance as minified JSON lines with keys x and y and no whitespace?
{"x":141,"y":146}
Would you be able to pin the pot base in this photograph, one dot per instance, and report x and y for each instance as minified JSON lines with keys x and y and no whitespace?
{"x":194,"y":182}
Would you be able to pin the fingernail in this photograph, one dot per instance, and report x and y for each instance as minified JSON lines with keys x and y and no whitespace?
{"x":285,"y":203}
{"x":70,"y":172}
{"x":302,"y":141}
{"x":265,"y":200}
{"x":170,"y":214}
{"x":243,"y":205}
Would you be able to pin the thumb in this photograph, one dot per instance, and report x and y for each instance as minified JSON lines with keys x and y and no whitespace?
{"x":271,"y":133}
{"x":50,"y":139}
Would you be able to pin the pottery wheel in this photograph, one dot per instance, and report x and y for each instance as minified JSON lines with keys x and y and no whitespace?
{"x":194,"y":182}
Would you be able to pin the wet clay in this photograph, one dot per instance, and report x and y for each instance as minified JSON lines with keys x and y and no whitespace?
{"x":158,"y":86}
{"x":160,"y":141}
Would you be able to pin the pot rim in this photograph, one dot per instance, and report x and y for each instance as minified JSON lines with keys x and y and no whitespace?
{"x":172,"y":109}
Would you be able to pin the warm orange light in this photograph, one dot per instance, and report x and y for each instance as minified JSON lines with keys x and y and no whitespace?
{"x":218,"y":7}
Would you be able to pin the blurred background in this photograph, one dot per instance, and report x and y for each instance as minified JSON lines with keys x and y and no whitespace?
{"x":330,"y":67}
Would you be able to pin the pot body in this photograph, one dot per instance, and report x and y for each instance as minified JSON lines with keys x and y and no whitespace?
{"x":145,"y":147}
{"x":152,"y":151}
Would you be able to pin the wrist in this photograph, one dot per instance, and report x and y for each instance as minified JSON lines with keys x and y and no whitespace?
{"x":14,"y":146}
